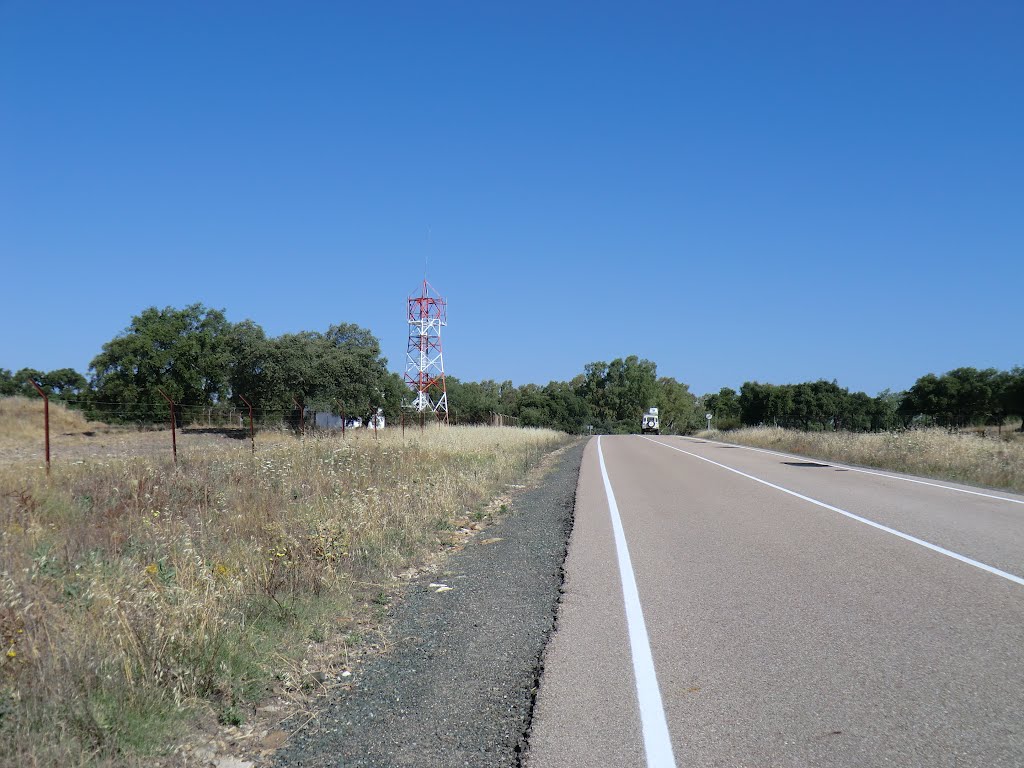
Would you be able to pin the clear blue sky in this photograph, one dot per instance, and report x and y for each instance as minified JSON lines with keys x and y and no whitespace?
{"x":774,"y":191}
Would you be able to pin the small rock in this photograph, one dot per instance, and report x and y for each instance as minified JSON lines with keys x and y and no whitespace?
{"x":232,"y":762}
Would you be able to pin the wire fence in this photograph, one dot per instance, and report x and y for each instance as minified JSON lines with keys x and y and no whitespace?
{"x":242,"y":422}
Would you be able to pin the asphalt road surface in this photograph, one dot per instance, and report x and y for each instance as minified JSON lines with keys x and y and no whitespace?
{"x":757,"y":609}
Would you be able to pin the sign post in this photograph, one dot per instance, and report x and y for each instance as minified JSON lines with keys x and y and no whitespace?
{"x":708,"y":417}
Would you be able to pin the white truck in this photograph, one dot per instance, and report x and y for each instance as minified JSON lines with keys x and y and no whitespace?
{"x":649,"y":422}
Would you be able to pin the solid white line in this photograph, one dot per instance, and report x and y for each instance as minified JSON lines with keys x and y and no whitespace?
{"x":657,"y":744}
{"x":870,"y":472}
{"x":858,"y":518}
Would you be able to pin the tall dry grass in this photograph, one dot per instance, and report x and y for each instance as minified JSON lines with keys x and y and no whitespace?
{"x":21,"y":419}
{"x":967,"y":458}
{"x":136,"y":593}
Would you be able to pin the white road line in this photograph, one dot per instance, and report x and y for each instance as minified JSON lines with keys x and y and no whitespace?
{"x":871,"y":472}
{"x":858,"y":518}
{"x":657,"y":745}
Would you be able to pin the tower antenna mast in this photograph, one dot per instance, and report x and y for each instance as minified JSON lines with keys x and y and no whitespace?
{"x":424,"y":360}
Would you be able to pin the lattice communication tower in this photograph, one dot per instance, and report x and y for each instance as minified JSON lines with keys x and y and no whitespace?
{"x":424,"y":366}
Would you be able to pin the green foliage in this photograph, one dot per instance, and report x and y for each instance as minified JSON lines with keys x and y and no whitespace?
{"x":473,"y":402}
{"x":965,"y":396}
{"x":183,"y":352}
{"x":65,"y":384}
{"x":321,"y":370}
{"x":961,"y":397}
{"x":197,"y":357}
{"x":18,"y":384}
{"x":677,"y":407}
{"x":724,"y":406}
{"x":816,"y":406}
{"x":619,"y":392}
{"x":8,"y":385}
{"x":605,"y":398}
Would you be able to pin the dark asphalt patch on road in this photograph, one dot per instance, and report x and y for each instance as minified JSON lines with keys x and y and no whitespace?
{"x":457,"y":686}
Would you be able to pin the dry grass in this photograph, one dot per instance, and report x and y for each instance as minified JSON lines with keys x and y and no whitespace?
{"x":21,"y":420}
{"x":966,"y":458}
{"x":135,"y":594}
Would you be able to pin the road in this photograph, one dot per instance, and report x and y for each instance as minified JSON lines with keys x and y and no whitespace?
{"x":765,"y":610}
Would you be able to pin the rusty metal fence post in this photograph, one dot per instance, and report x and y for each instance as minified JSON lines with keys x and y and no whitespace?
{"x":252,"y":431}
{"x":174,"y":438}
{"x":46,"y":419}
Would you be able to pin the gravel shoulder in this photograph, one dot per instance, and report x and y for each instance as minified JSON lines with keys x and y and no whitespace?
{"x":456,"y":686}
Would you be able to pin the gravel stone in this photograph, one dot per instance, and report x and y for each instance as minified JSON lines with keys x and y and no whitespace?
{"x":458,"y":683}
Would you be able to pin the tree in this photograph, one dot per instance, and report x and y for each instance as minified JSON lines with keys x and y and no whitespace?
{"x":592,"y":386}
{"x":321,"y":370}
{"x":754,"y":400}
{"x":972,"y":395}
{"x":960,"y":397}
{"x":21,"y":384}
{"x":473,"y":402}
{"x":830,"y":402}
{"x":922,"y":399}
{"x":857,"y":412}
{"x":885,"y":410}
{"x":65,"y":384}
{"x":724,"y":406}
{"x":677,"y":407}
{"x":250,"y":353}
{"x":1011,"y":394}
{"x":804,"y":407}
{"x":8,"y":384}
{"x":184,"y":352}
{"x":631,"y":387}
{"x":566,"y":410}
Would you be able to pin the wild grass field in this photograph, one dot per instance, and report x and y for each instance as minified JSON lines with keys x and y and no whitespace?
{"x":985,"y":459}
{"x":138,"y":596}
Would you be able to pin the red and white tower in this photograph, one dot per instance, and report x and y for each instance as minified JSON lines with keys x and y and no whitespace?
{"x":424,"y":365}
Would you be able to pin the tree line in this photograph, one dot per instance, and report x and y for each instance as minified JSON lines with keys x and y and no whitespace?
{"x":959,"y":398}
{"x":199,"y":358}
{"x":607,"y":398}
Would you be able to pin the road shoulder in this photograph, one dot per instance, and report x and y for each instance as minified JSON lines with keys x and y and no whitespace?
{"x":457,"y":685}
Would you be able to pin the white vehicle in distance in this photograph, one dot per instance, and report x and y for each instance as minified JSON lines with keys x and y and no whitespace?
{"x":649,"y":422}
